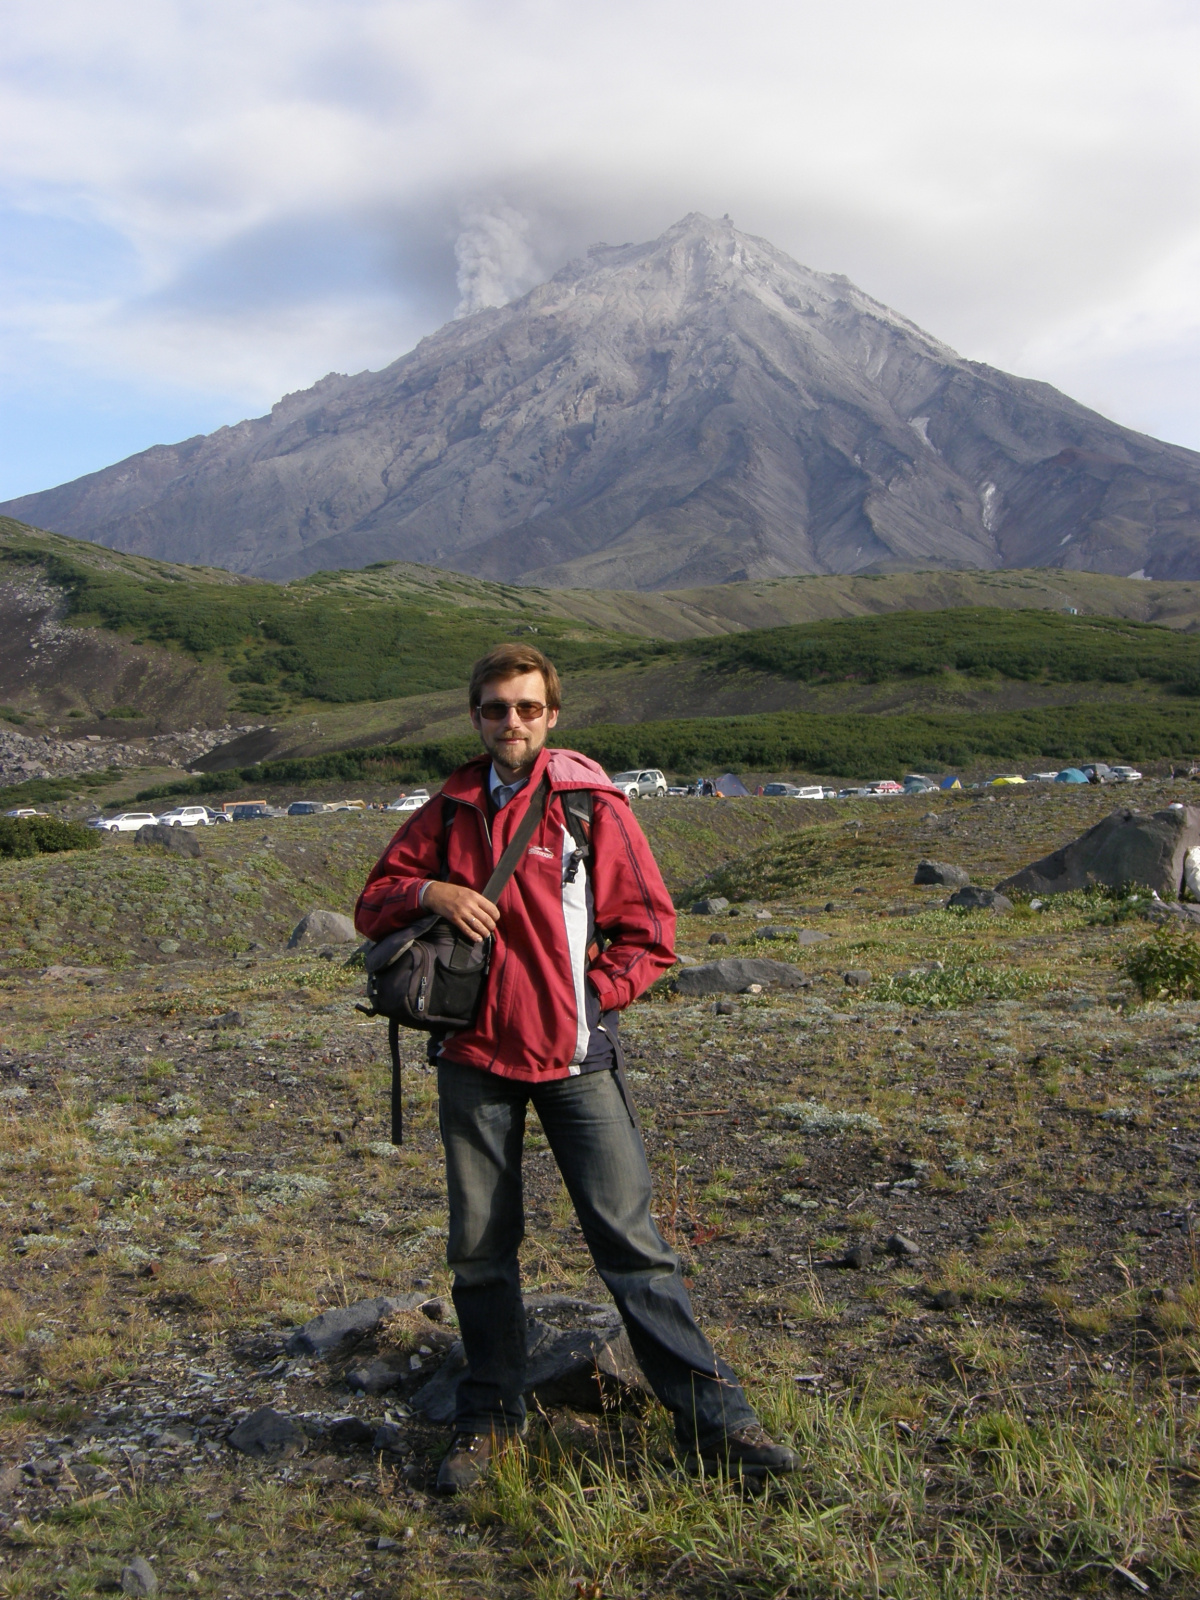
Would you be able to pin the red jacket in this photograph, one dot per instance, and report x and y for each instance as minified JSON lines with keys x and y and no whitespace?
{"x":533,"y":1022}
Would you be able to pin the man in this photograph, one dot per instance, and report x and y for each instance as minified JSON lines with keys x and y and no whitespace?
{"x":583,"y":927}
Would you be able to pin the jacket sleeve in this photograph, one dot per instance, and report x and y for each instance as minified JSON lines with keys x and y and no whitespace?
{"x":391,"y":895}
{"x":633,"y":908}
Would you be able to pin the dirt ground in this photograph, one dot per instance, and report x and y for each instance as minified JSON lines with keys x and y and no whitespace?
{"x":194,"y":1148}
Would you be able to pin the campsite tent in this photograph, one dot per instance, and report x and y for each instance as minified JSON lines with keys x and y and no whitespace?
{"x":728,"y":787}
{"x":1071,"y":775}
{"x":950,"y":782}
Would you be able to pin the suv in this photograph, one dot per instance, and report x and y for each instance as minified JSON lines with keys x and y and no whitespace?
{"x":646,"y":784}
{"x":187,"y":817}
{"x":124,"y":822}
{"x":252,"y":811}
{"x":305,"y":808}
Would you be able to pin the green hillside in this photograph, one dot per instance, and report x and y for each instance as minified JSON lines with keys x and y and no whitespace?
{"x":362,"y":673}
{"x":1028,"y":646}
{"x":381,"y":635}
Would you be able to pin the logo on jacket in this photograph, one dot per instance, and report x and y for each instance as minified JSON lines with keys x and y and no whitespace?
{"x":541,"y":850}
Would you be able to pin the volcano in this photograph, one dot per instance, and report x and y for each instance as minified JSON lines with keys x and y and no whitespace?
{"x":694,"y":410}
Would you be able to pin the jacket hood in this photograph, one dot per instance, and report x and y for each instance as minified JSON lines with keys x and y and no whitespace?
{"x":567,"y":769}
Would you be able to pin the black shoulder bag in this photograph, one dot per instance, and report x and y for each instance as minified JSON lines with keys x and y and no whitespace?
{"x":429,"y":975}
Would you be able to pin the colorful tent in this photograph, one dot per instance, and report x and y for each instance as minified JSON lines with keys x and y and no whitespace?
{"x":1071,"y":775}
{"x":950,"y":782}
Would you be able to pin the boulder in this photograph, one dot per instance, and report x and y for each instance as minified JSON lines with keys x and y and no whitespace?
{"x":323,"y":927}
{"x":733,"y":975}
{"x":179,"y":841}
{"x":710,"y":907}
{"x":589,"y":1368}
{"x":324,"y":1335}
{"x":972,"y":899}
{"x":942,"y":872}
{"x":1126,"y":848}
{"x":857,"y":978}
{"x":267,"y":1432}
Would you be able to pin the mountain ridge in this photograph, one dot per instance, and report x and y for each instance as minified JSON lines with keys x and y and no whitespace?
{"x":695,"y":410}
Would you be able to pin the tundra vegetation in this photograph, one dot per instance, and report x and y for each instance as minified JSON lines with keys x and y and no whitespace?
{"x":193,"y":1126}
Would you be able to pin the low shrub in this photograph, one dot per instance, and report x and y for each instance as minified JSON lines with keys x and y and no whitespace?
{"x":1167,"y":965}
{"x":941,"y":987}
{"x":31,"y":836}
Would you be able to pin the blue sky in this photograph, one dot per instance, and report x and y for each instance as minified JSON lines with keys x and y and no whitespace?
{"x":203,"y":207}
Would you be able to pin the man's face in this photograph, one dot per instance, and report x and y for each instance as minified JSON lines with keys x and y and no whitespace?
{"x":513,"y":741}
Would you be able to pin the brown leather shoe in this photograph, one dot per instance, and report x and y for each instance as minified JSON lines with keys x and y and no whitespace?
{"x":466,"y":1462}
{"x":749,"y":1449}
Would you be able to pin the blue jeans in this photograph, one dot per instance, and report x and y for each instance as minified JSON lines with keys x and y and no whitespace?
{"x":600,"y":1154}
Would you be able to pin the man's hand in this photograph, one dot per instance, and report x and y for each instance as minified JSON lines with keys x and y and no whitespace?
{"x":467,"y":909}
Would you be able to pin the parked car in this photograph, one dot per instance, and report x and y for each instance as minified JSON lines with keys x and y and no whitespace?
{"x":305,"y":808}
{"x":410,"y":802}
{"x":1043,"y":777}
{"x":646,"y":784}
{"x":123,"y":822}
{"x":780,"y":791}
{"x":25,"y":811}
{"x":884,"y":786}
{"x":1125,"y":774}
{"x":678,"y":791}
{"x":186,"y":817}
{"x":1100,"y":772}
{"x":251,"y":811}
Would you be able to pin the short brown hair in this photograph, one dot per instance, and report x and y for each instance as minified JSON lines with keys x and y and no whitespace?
{"x":506,"y":661}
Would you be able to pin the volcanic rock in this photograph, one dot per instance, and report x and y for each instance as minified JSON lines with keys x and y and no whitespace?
{"x":266,"y":1432}
{"x":322,"y":927}
{"x":589,"y":1368}
{"x":734,"y":975}
{"x":326,"y":1333}
{"x":942,"y":872}
{"x":973,"y":899}
{"x":179,"y":841}
{"x":1127,"y":849}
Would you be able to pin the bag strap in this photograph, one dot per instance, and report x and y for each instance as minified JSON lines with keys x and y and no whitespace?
{"x":397,"y":1100}
{"x":507,"y":863}
{"x":577,"y":807}
{"x":462,"y":955}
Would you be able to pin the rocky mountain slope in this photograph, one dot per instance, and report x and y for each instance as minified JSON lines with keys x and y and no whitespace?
{"x":694,"y":410}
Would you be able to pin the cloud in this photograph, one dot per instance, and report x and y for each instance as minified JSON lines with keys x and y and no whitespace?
{"x":218,"y":203}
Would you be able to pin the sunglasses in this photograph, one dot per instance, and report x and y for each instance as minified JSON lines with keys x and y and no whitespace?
{"x":497,"y":710}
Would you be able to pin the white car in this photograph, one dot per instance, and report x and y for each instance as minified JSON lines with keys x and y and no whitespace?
{"x":124,"y":822}
{"x":185,"y":817}
{"x":1127,"y":774}
{"x":646,"y":784}
{"x":1043,"y":777}
{"x":410,"y":802}
{"x":24,"y":811}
